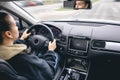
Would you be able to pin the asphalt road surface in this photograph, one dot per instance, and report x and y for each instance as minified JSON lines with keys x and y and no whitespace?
{"x":103,"y":9}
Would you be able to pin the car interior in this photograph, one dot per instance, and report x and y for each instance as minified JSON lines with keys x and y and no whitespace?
{"x":87,"y":49}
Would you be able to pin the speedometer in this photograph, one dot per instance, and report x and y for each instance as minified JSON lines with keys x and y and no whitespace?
{"x":56,"y":32}
{"x":43,"y":31}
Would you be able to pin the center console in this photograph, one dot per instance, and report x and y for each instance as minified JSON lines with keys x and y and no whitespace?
{"x":75,"y":69}
{"x":76,"y":64}
{"x":71,"y":74}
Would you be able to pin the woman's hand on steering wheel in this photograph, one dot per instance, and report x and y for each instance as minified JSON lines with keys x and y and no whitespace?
{"x":52,"y":45}
{"x":25,"y":35}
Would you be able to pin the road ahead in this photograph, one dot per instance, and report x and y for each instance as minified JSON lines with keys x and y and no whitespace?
{"x":103,"y":9}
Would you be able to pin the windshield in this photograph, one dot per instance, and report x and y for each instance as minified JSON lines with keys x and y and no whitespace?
{"x":47,"y":10}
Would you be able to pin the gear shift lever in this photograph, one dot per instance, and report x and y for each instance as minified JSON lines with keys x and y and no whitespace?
{"x":73,"y":75}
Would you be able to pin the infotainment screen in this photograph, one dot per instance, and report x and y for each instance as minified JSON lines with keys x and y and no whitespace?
{"x":78,"y":44}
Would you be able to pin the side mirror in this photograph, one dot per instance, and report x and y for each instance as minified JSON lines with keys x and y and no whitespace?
{"x":82,"y":4}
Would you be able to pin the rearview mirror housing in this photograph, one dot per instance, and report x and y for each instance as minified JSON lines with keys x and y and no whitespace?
{"x":77,"y":4}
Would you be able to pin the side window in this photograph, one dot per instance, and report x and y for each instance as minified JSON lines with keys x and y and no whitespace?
{"x":22,"y":25}
{"x":19,"y":22}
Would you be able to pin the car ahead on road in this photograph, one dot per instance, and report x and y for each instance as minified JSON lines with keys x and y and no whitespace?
{"x":88,"y":41}
{"x":30,"y":3}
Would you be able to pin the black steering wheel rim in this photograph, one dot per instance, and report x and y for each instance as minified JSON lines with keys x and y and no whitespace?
{"x":39,"y":42}
{"x":42,"y":25}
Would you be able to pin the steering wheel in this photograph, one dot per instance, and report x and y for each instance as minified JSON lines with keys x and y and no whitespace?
{"x":38,"y":42}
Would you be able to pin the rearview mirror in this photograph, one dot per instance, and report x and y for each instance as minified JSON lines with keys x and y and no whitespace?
{"x":82,"y":4}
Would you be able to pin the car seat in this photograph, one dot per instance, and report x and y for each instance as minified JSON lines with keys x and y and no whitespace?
{"x":8,"y":73}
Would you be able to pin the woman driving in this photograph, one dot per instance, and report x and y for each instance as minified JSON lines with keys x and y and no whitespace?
{"x":29,"y":66}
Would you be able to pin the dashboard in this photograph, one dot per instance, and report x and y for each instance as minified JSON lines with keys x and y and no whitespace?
{"x":88,"y":49}
{"x":81,"y":38}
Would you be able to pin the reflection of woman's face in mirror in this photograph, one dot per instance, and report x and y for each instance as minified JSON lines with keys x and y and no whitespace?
{"x":80,"y":4}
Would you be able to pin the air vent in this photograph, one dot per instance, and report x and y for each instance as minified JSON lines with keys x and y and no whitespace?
{"x":63,"y":38}
{"x":98,"y":44}
{"x":106,"y":45}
